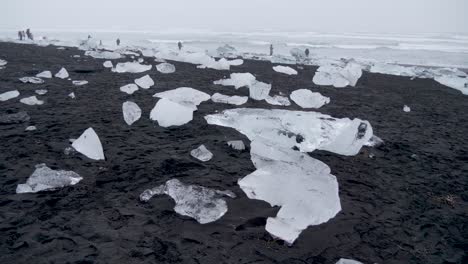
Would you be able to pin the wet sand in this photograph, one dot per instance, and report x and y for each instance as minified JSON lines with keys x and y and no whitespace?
{"x":408,"y":204}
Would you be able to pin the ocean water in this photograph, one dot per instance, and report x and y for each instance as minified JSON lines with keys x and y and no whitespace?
{"x":439,"y":50}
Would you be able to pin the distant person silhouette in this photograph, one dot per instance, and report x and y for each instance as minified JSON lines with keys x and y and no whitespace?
{"x":100,"y":42}
{"x":89,"y":36}
{"x":118,"y":42}
{"x":271,"y":49}
{"x":29,"y":34}
{"x":307,"y":52}
{"x":20,"y":35}
{"x":180,"y":45}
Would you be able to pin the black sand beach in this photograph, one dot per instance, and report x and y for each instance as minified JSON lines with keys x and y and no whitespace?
{"x":408,"y":204}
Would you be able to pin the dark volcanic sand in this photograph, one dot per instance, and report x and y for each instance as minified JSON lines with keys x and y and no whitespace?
{"x":396,"y":209}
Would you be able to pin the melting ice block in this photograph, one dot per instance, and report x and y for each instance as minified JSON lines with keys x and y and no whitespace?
{"x":41,"y":91}
{"x":278,"y":100}
{"x":348,"y":261}
{"x":285,"y":69}
{"x":131,"y":112}
{"x":165,"y":68}
{"x":259,"y":90}
{"x":30,"y":128}
{"x":237,"y":80}
{"x":236,"y":144}
{"x":9,"y":95}
{"x":131,"y":67}
{"x":102,"y":54}
{"x":129,"y":88}
{"x":455,"y":82}
{"x":62,"y":74}
{"x":145,"y":82}
{"x":108,"y":64}
{"x":44,"y":178}
{"x":186,"y":96}
{"x":34,"y":80}
{"x":233,"y":100}
{"x":89,"y":145}
{"x":44,"y":74}
{"x":307,"y":99}
{"x":79,"y":83}
{"x":201,"y":153}
{"x":200,"y":203}
{"x":72,"y":95}
{"x":338,"y":76}
{"x":32,"y":100}
{"x":168,"y":113}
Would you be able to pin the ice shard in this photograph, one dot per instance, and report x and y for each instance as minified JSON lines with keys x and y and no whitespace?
{"x":338,"y":76}
{"x":32,"y":100}
{"x":80,"y":83}
{"x":44,"y":74}
{"x":308,"y":99}
{"x":406,"y":109}
{"x":108,"y":64}
{"x":131,"y":112}
{"x":233,"y":100}
{"x":236,"y":144}
{"x":186,"y":96}
{"x":278,"y":100}
{"x":145,"y":82}
{"x":33,"y":80}
{"x":44,"y":178}
{"x":89,"y":145}
{"x":129,"y":88}
{"x":201,"y":153}
{"x":9,"y":95}
{"x":165,"y":68}
{"x":131,"y":67}
{"x":102,"y":54}
{"x":285,"y":69}
{"x":41,"y":91}
{"x":62,"y":74}
{"x":168,"y":113}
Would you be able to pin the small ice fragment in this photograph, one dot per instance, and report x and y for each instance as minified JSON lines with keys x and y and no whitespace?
{"x":285,"y":69}
{"x":129,"y":88}
{"x":32,"y":100}
{"x":41,"y":91}
{"x":406,"y":109}
{"x":131,"y":67}
{"x":30,"y":128}
{"x":348,"y":261}
{"x":44,"y":178}
{"x":76,"y":56}
{"x":307,"y":99}
{"x":278,"y":100}
{"x":15,"y":118}
{"x":374,"y":141}
{"x":44,"y":74}
{"x":9,"y":95}
{"x":3,"y":62}
{"x":259,"y":90}
{"x":108,"y":64}
{"x":165,"y":68}
{"x":141,"y":60}
{"x":233,"y":100}
{"x":201,"y":153}
{"x":200,"y":203}
{"x":236,"y":144}
{"x":72,"y":95}
{"x":34,"y":80}
{"x":89,"y":145}
{"x":185,"y":96}
{"x":62,"y":74}
{"x":131,"y":112}
{"x":79,"y":83}
{"x":238,"y":80}
{"x":168,"y":113}
{"x":145,"y":82}
{"x":102,"y":54}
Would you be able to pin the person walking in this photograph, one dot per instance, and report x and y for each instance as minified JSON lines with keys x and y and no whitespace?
{"x":29,"y":34}
{"x":118,"y":42}
{"x":180,"y":45}
{"x":20,"y":35}
{"x":271,"y":49}
{"x":307,"y":52}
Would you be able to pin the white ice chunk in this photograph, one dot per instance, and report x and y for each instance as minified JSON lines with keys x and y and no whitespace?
{"x":285,"y":69}
{"x":30,"y":128}
{"x":165,"y":68}
{"x":234,"y":100}
{"x":169,"y":113}
{"x":3,"y":62}
{"x":202,"y":204}
{"x":307,"y":99}
{"x":201,"y":153}
{"x":72,"y":95}
{"x":32,"y":100}
{"x":278,"y":100}
{"x":9,"y":95}
{"x":259,"y":90}
{"x":236,"y":144}
{"x":145,"y":82}
{"x":108,"y":64}
{"x":406,"y":109}
{"x":102,"y":54}
{"x":348,"y":261}
{"x":62,"y":74}
{"x":34,"y":80}
{"x":44,"y":178}
{"x":226,"y":51}
{"x":129,"y":88}
{"x":141,"y":60}
{"x":44,"y":74}
{"x":455,"y":82}
{"x":89,"y":145}
{"x":186,"y":96}
{"x":131,"y":112}
{"x":374,"y":141}
{"x":41,"y":91}
{"x":338,"y":76}
{"x":131,"y":67}
{"x":80,"y":83}
{"x":237,"y":80}
{"x":236,"y":62}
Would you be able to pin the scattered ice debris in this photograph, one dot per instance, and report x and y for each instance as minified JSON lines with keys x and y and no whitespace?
{"x":307,"y":99}
{"x":309,"y":193}
{"x":32,"y":100}
{"x":101,"y":54}
{"x":44,"y":178}
{"x":69,"y":150}
{"x":374,"y":141}
{"x":201,"y":153}
{"x":44,"y":74}
{"x":200,"y":58}
{"x":200,"y":203}
{"x":30,"y":128}
{"x":455,"y":82}
{"x":185,"y":96}
{"x":236,"y":144}
{"x":168,"y":113}
{"x":165,"y":68}
{"x":406,"y":109}
{"x":285,"y":69}
{"x":72,"y":95}
{"x":257,"y":90}
{"x":15,"y":118}
{"x":131,"y":112}
{"x":129,"y":88}
{"x":338,"y":76}
{"x":233,"y":100}
{"x":34,"y":80}
{"x":131,"y":67}
{"x":108,"y":64}
{"x":348,"y":261}
{"x":62,"y":74}
{"x":9,"y":95}
{"x":41,"y":91}
{"x":145,"y":82}
{"x":79,"y":83}
{"x":278,"y":100}
{"x":89,"y":145}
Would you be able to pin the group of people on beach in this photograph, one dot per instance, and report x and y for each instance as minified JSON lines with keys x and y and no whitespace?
{"x":22,"y":35}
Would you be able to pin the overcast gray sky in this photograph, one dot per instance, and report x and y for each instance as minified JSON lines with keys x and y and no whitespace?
{"x":376,"y":16}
